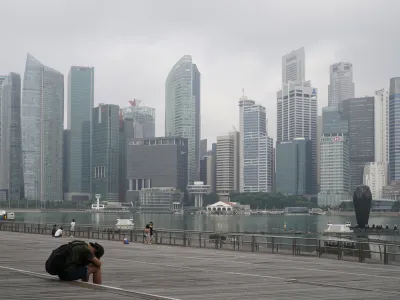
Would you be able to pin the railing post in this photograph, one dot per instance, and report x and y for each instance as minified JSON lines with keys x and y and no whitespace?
{"x":170,"y":237}
{"x":360,"y":254}
{"x":184,"y":238}
{"x":156,"y":236}
{"x":294,"y":247}
{"x":385,"y":255}
{"x":252,"y":243}
{"x":216,"y":241}
{"x":130,"y":236}
{"x":273,"y":244}
{"x":200,"y":239}
{"x":88,"y":232}
{"x":318,"y":248}
{"x":38,"y":229}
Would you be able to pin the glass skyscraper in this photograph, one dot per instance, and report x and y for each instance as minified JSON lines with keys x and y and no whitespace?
{"x":182,"y":109}
{"x":144,"y":119}
{"x":80,"y":108}
{"x":394,"y":129}
{"x":42,"y":119}
{"x":11,"y":176}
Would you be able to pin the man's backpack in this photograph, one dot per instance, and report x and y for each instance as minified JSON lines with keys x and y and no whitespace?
{"x":56,"y":263}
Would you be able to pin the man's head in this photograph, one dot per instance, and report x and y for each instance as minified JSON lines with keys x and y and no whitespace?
{"x":96,"y":249}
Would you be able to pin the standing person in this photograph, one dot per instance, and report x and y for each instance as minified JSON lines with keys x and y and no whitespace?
{"x":76,"y":260}
{"x":59,"y":233}
{"x":146,"y":234}
{"x":151,"y":232}
{"x":72,"y":229}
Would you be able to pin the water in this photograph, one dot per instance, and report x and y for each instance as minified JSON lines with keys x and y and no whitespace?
{"x":216,"y":223}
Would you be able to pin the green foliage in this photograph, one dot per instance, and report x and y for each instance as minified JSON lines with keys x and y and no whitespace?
{"x":346,"y":206}
{"x":271,"y":201}
{"x":210,"y":199}
{"x":396,"y":206}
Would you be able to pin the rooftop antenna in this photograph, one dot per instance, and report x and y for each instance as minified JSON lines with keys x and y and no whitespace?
{"x":243,"y":92}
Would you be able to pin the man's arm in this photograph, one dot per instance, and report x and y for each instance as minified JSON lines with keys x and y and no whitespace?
{"x":96,"y":262}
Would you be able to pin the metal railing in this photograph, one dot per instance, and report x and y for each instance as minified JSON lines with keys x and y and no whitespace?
{"x":370,"y":252}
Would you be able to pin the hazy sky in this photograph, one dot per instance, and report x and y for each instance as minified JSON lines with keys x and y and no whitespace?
{"x":235,"y":43}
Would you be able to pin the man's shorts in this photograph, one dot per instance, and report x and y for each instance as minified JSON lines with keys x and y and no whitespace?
{"x":80,"y":273}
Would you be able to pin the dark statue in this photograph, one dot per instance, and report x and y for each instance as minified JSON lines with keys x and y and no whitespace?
{"x":362,"y":201}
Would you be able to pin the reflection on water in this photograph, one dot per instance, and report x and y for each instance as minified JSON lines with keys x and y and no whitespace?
{"x":235,"y":223}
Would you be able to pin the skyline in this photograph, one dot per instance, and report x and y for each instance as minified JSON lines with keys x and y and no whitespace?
{"x":132,"y":59}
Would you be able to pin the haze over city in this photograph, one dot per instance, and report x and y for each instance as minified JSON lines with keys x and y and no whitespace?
{"x":235,"y":44}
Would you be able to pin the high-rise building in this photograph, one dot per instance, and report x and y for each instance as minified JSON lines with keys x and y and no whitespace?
{"x":341,"y":85}
{"x":203,"y":148}
{"x":297,"y":118}
{"x":255,"y":148}
{"x":394,"y":130}
{"x":80,"y":106}
{"x":159,"y":162}
{"x":11,"y":175}
{"x":334,"y":121}
{"x":144,"y":119}
{"x":335,"y":169}
{"x":182,"y":109}
{"x":65,"y":162}
{"x":361,"y":133}
{"x":42,"y":121}
{"x":319,"y":134}
{"x":105,"y":154}
{"x":294,"y":167}
{"x":381,"y":110}
{"x":212,"y":167}
{"x":375,"y":176}
{"x":227,"y":165}
{"x":293,"y":66}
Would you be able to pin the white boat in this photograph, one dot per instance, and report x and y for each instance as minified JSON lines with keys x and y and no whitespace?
{"x":317,"y":211}
{"x":125,"y":224}
{"x":337,"y":229}
{"x":7,"y":215}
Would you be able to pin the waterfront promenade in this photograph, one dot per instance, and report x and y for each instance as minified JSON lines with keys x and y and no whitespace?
{"x":139,"y":271}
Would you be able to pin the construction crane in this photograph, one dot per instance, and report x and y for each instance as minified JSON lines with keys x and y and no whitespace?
{"x":234,"y":128}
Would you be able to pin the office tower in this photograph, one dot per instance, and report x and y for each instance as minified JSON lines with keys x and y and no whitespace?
{"x":80,"y":105}
{"x":294,"y":167}
{"x":375,"y":176}
{"x":203,"y":169}
{"x":381,"y":110}
{"x":105,"y":157}
{"x":182,"y":109}
{"x":297,"y":118}
{"x":11,"y":175}
{"x":228,"y":165}
{"x":42,"y":121}
{"x":341,"y":85}
{"x":335,"y":169}
{"x":66,"y":142}
{"x":203,"y":148}
{"x":394,"y":130}
{"x":293,"y":66}
{"x":360,"y":115}
{"x":334,"y":121}
{"x":144,"y":119}
{"x":159,"y":162}
{"x":212,"y":168}
{"x":255,"y":148}
{"x":126,"y":133}
{"x":319,"y":134}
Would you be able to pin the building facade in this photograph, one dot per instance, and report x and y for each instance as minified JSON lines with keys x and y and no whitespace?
{"x":159,"y":162}
{"x":319,"y":134}
{"x":394,"y":130}
{"x":341,"y":85}
{"x":381,"y":110}
{"x":160,"y":200}
{"x":228,"y":164}
{"x":182,"y":109}
{"x":297,"y":118}
{"x":334,"y":120}
{"x":80,"y":105}
{"x":360,"y":115}
{"x":42,"y":122}
{"x":335,"y":169}
{"x":375,"y":176}
{"x":255,"y":148}
{"x":11,"y":175}
{"x":293,"y":66}
{"x":294,"y":167}
{"x":105,"y":157}
{"x":144,"y":119}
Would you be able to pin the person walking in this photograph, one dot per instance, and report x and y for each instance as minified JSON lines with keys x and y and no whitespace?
{"x":151,"y":232}
{"x":146,"y":234}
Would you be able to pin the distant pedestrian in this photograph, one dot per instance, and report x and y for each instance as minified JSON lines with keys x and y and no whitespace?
{"x":59,"y":233}
{"x":151,"y":232}
{"x":146,"y":234}
{"x":53,"y":231}
{"x":72,"y":229}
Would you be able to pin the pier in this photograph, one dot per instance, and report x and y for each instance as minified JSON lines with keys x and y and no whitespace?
{"x":140,"y":271}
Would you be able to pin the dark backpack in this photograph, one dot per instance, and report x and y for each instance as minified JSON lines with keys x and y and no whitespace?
{"x":56,"y":263}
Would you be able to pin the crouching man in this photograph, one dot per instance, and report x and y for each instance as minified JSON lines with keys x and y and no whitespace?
{"x":76,"y":260}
